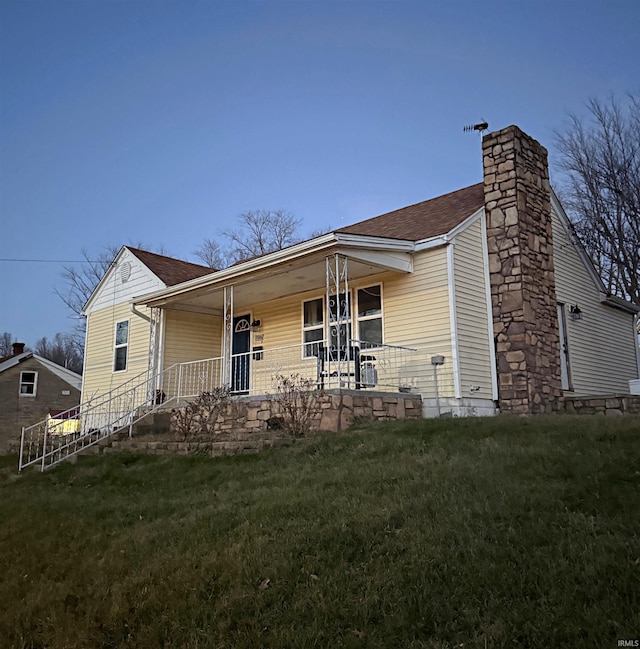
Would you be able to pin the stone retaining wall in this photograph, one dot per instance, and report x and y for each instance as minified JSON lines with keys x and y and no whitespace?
{"x":333,"y":411}
{"x":244,"y":429}
{"x":617,"y":404}
{"x":212,"y":449}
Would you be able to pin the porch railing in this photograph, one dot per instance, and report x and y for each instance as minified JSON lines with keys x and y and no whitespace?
{"x":361,"y":366}
{"x":70,"y":432}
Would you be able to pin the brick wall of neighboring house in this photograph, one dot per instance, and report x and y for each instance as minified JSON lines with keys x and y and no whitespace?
{"x":523,"y":294}
{"x":17,"y":411}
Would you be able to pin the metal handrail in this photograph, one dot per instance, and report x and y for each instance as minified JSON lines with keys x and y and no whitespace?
{"x":48,"y":442}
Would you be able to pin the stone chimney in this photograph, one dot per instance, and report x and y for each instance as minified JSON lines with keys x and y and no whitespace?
{"x":18,"y":348}
{"x":523,"y":294}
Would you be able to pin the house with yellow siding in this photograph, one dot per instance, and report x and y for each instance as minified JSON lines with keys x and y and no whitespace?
{"x":479,"y":301}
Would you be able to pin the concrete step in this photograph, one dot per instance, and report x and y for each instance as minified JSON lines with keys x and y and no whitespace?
{"x":156,"y":423}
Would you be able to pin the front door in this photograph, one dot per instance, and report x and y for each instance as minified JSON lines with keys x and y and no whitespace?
{"x":240,"y":346}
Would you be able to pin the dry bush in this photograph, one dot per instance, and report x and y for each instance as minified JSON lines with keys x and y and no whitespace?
{"x":299,"y":401}
{"x":196,"y":421}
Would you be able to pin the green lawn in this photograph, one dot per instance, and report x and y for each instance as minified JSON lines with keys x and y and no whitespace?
{"x":451,"y":533}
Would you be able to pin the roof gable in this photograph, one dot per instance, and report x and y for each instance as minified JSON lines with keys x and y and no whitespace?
{"x":73,"y":379}
{"x":423,"y":220}
{"x":134,"y":272}
{"x":170,"y":271}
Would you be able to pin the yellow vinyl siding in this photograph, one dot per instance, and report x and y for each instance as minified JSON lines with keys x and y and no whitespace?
{"x":98,"y":375}
{"x":280,"y":335}
{"x":191,"y":336}
{"x":601,"y":345}
{"x":471,"y":313}
{"x":416,"y":314}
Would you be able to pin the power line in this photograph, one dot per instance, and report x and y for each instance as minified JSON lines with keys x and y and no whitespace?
{"x":53,"y":261}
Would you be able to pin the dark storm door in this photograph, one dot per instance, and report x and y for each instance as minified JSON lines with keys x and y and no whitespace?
{"x":240,"y":346}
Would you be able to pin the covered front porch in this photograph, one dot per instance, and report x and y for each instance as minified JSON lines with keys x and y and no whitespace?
{"x":319,"y":317}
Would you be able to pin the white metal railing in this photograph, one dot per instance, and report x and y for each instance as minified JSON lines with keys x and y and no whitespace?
{"x":361,"y":366}
{"x":53,"y":440}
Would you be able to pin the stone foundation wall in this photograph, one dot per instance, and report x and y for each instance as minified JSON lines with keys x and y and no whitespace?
{"x":619,"y":404}
{"x":254,"y":444}
{"x":520,"y":249}
{"x":335,"y":411}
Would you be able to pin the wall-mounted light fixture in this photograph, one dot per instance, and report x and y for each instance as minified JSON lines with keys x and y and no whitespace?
{"x":575,"y":312}
{"x":256,"y":324}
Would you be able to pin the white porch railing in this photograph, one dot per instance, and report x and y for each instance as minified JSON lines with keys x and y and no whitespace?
{"x":363,"y":366}
{"x":53,"y":440}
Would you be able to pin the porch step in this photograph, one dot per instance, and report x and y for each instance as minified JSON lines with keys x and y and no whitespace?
{"x":156,"y":423}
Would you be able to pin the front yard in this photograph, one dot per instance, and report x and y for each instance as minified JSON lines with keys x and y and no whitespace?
{"x":451,"y":533}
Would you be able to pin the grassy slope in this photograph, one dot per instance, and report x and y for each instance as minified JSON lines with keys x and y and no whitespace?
{"x":450,"y":533}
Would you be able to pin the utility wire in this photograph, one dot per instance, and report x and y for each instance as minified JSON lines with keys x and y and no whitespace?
{"x":53,"y":261}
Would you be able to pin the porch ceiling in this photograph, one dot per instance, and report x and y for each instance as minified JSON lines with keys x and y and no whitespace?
{"x":289,"y":278}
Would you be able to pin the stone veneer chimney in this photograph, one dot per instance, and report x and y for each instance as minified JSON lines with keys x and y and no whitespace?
{"x":523,"y":294}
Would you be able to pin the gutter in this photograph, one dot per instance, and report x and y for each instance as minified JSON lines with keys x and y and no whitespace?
{"x":619,"y":303}
{"x":269,"y":260}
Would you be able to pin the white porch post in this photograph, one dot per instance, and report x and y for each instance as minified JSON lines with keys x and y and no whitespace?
{"x":153,"y":367}
{"x":338,"y":315}
{"x":227,"y":335}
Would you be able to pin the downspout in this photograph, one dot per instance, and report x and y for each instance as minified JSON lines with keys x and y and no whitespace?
{"x":139,"y":313}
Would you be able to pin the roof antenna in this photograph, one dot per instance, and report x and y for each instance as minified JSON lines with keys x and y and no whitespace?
{"x":481,"y":127}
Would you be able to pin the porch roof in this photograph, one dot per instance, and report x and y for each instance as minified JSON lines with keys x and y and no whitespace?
{"x":290,"y":271}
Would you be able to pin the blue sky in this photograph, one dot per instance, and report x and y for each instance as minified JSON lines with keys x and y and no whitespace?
{"x":161,"y":121}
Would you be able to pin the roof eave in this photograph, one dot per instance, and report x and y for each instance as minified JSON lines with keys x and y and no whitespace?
{"x":271,"y":259}
{"x":620,"y":303}
{"x":103,"y":279}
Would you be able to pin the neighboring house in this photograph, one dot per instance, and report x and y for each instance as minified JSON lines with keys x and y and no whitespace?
{"x":479,"y":299}
{"x":30,"y":387}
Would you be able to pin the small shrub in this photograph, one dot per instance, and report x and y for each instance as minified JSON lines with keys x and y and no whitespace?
{"x":299,"y":401}
{"x":197,"y":420}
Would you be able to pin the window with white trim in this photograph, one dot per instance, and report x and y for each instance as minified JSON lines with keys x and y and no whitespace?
{"x":339,"y":310}
{"x":312,"y":326}
{"x":368,"y":318}
{"x":28,"y":384}
{"x":370,"y":315}
{"x":121,"y":346}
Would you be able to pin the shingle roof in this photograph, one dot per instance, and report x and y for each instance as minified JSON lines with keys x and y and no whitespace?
{"x":424,"y":220}
{"x":170,"y":271}
{"x":73,"y":379}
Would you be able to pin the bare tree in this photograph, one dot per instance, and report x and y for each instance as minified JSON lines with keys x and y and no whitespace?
{"x":6,"y":344}
{"x":260,"y":232}
{"x":61,"y":349}
{"x":600,"y":158}
{"x":211,"y":254}
{"x":81,"y":280}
